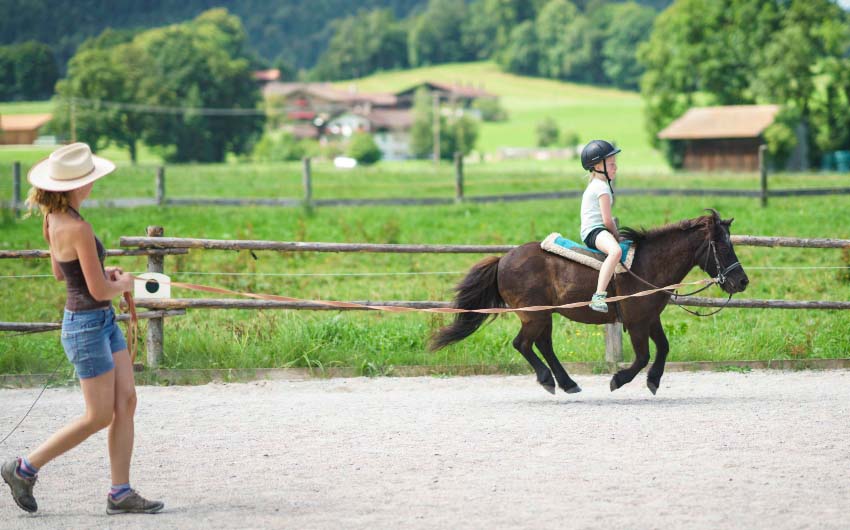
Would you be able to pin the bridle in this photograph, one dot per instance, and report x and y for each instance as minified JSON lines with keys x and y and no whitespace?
{"x":720,"y":279}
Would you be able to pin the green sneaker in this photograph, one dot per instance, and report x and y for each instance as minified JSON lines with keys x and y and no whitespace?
{"x":21,"y":487}
{"x":597,"y":304}
{"x":132,"y":503}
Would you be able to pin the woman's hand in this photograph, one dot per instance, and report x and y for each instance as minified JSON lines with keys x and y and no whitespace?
{"x":123,"y":279}
{"x":112,"y":273}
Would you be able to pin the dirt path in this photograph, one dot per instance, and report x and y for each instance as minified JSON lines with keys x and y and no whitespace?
{"x":711,"y":450}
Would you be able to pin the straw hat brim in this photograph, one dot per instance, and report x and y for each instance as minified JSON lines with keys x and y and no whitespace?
{"x":40,"y":176}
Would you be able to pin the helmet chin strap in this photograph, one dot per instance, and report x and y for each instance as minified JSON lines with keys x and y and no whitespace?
{"x":605,"y":172}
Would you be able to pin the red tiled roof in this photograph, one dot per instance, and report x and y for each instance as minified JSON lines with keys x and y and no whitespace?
{"x":23,"y":122}
{"x":734,"y":121}
{"x":328,"y":92}
{"x":455,"y":89}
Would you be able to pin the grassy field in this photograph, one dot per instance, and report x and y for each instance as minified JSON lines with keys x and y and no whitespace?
{"x":373,"y":343}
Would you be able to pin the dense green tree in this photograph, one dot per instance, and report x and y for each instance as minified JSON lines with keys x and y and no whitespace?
{"x":362,"y":44}
{"x":552,"y":22}
{"x":195,"y":69}
{"x":436,"y":35}
{"x":27,"y":71}
{"x":522,"y":55}
{"x":629,"y":26}
{"x":364,"y":149}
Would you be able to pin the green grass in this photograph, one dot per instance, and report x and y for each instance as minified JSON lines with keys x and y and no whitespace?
{"x":26,"y":107}
{"x":373,"y":343}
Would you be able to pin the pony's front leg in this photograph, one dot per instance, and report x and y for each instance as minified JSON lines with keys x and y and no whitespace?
{"x":640,"y":342}
{"x":662,"y":347}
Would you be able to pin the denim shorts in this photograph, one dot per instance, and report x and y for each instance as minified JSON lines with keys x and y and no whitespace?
{"x":90,"y":338}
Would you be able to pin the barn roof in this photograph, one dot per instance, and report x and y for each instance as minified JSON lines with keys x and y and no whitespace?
{"x":733,"y":121}
{"x":23,"y":122}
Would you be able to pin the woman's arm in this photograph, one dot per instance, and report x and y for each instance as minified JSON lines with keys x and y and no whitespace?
{"x":607,"y":218}
{"x":100,"y":287}
{"x":57,"y":270}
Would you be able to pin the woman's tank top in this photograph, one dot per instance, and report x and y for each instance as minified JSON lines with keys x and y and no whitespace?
{"x":79,"y":297}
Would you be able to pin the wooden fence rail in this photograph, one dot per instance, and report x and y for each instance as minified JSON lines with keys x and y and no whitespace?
{"x":161,"y":199}
{"x":156,"y":247}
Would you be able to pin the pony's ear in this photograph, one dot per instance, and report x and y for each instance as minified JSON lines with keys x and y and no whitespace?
{"x":727,"y":222}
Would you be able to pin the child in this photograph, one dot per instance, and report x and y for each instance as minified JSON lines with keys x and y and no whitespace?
{"x":598,"y":230}
{"x":90,"y":335}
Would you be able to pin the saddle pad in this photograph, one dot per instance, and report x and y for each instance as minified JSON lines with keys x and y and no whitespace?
{"x":557,"y":244}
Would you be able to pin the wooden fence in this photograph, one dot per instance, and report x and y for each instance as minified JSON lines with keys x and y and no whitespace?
{"x":307,"y":199}
{"x":157,"y":247}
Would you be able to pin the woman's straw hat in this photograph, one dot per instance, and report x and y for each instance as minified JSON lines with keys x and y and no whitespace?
{"x":68,"y":168}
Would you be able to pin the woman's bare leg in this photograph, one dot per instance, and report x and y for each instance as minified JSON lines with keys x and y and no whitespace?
{"x":121,"y":431}
{"x":99,"y":394}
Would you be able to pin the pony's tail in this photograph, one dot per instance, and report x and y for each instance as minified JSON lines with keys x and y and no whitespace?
{"x":478,"y":290}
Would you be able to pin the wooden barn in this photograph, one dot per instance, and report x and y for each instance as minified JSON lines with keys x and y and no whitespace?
{"x":721,"y":138}
{"x":21,"y":129}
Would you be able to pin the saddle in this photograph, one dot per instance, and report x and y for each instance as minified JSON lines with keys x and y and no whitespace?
{"x":566,"y":248}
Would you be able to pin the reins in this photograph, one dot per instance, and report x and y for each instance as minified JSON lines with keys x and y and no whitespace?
{"x":720,"y":280}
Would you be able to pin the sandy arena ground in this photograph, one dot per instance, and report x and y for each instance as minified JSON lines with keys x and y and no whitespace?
{"x":710,"y":451}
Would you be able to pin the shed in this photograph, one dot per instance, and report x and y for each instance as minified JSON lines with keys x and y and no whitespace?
{"x":21,"y":129}
{"x":721,"y":138}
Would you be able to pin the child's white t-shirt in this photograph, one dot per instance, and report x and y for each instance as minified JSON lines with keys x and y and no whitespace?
{"x":591,"y":214}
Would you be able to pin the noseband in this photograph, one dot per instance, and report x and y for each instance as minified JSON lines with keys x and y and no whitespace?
{"x":722,"y":274}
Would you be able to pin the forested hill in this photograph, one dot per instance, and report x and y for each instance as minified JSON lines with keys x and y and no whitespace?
{"x":296,"y":31}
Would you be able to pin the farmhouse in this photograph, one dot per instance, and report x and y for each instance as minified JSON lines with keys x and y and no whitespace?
{"x":725,"y":138}
{"x":21,"y":129}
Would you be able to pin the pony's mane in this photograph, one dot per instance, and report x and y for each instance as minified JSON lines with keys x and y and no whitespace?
{"x":643,"y":234}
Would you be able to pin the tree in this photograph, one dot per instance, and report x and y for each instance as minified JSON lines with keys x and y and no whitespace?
{"x":629,"y":26}
{"x":522,"y":55}
{"x":436,"y":35}
{"x":547,"y":132}
{"x":464,"y":132}
{"x":194,"y":68}
{"x":553,"y":19}
{"x":362,"y":44}
{"x":364,"y":149}
{"x":27,"y":71}
{"x":422,"y":132}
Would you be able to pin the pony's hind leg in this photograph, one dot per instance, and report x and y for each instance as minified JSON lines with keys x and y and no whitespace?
{"x":524,"y":344}
{"x":640,"y":343}
{"x":544,"y":344}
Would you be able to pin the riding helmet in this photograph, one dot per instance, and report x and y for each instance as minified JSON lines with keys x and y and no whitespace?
{"x":596,"y":151}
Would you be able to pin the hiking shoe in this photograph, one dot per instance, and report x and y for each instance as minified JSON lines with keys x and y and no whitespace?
{"x":21,"y":487}
{"x":597,"y":304}
{"x":132,"y":503}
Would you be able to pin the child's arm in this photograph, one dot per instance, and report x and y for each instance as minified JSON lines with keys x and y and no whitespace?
{"x":607,"y":218}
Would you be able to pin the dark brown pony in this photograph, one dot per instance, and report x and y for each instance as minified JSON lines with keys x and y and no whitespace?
{"x":529,"y":276}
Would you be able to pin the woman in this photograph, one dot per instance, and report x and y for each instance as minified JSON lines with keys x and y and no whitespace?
{"x":598,"y":230}
{"x":90,"y":336}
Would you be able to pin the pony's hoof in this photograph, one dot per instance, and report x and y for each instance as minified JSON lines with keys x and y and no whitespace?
{"x":573,"y":389}
{"x":652,"y":387}
{"x":614,"y":386}
{"x":550,"y":389}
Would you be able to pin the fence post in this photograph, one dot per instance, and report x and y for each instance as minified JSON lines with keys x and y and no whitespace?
{"x":458,"y":177}
{"x":763,"y":171}
{"x":614,"y":337}
{"x":160,"y":186}
{"x":307,"y":180}
{"x":155,"y":325}
{"x":16,"y":188}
